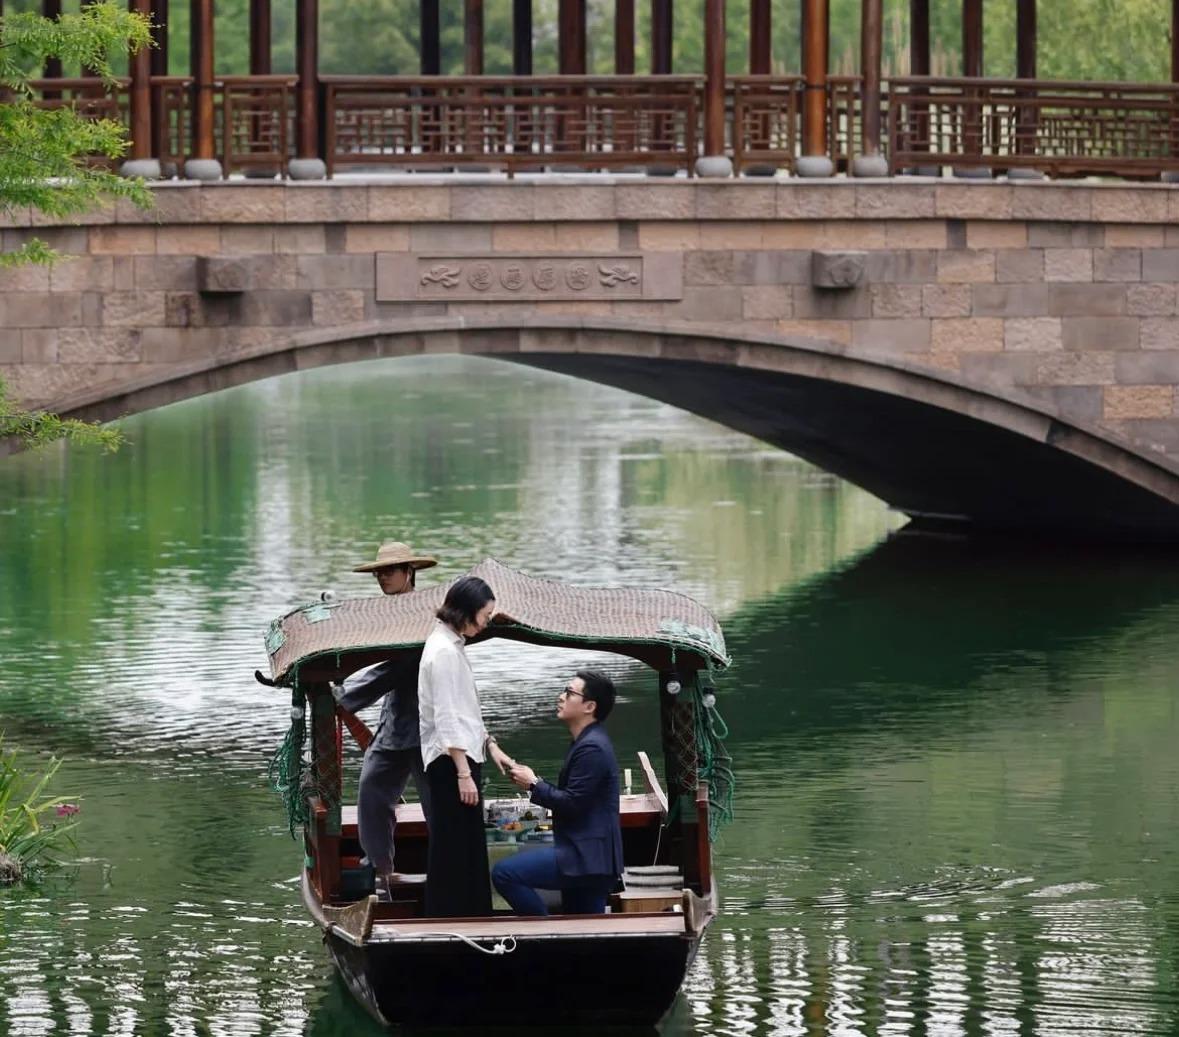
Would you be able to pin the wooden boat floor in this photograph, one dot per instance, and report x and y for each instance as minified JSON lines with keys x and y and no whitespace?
{"x":659,"y":924}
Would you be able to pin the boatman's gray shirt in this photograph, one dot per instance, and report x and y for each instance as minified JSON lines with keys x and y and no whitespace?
{"x":397,"y":680}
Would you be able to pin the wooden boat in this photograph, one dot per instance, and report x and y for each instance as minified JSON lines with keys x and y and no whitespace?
{"x":410,"y":969}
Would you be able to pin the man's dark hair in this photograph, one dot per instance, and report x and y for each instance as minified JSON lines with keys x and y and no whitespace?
{"x":463,"y":601}
{"x":599,"y":689}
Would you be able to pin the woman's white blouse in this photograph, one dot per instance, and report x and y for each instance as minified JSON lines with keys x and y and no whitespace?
{"x":448,"y":701}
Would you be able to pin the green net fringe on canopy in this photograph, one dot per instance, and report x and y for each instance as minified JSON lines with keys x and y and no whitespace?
{"x":714,"y":764}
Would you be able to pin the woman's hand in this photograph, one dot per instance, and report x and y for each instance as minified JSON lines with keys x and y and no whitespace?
{"x":501,"y":759}
{"x":468,"y":793}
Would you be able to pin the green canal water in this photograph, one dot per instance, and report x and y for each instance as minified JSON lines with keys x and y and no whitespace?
{"x":957,"y":776}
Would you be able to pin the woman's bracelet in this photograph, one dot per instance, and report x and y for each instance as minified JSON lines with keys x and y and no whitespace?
{"x":467,"y":775}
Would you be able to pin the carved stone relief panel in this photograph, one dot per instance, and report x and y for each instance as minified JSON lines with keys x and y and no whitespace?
{"x":417,"y":277}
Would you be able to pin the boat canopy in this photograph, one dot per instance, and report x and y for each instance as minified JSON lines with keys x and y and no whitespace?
{"x":668,"y":631}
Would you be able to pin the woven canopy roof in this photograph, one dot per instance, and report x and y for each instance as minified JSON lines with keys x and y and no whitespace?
{"x":326,"y":641}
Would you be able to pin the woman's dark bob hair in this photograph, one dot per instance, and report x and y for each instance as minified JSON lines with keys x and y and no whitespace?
{"x":463,"y":601}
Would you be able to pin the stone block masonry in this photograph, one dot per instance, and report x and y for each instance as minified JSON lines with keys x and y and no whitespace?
{"x":1061,"y":294}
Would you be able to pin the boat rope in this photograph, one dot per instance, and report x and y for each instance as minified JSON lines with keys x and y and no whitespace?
{"x":501,"y":946}
{"x":714,"y":763}
{"x":286,"y":768}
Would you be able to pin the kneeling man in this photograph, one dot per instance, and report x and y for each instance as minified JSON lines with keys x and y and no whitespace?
{"x":585,"y":859}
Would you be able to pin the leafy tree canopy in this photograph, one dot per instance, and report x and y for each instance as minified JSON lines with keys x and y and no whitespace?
{"x":47,"y":158}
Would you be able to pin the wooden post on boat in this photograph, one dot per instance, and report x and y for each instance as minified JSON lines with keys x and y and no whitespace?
{"x":324,"y":825}
{"x":678,"y":730}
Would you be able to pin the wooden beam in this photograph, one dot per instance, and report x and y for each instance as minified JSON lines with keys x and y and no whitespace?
{"x":201,"y":53}
{"x":139,"y":65}
{"x":871,"y":41}
{"x":260,"y":37}
{"x":1025,"y":39}
{"x":714,"y":77}
{"x":661,"y":29}
{"x":760,"y":20}
{"x":473,"y":37}
{"x":521,"y":37}
{"x":430,"y":34}
{"x":624,"y":37}
{"x":919,"y":53}
{"x":972,"y":38}
{"x":814,"y":70}
{"x":307,"y":68}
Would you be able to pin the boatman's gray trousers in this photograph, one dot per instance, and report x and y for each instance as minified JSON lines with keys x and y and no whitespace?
{"x":383,"y":779}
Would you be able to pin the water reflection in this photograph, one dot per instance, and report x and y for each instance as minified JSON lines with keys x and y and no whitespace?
{"x":956,"y":767}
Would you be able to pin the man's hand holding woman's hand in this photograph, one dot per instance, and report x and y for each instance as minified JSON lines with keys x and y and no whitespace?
{"x":523,"y":775}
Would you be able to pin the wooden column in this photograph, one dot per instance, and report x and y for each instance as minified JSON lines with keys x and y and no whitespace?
{"x":201,"y":60}
{"x":869,"y":162}
{"x":972,"y":67}
{"x":714,"y":91}
{"x":919,"y":63}
{"x":972,"y":38}
{"x":815,"y":29}
{"x":308,"y":165}
{"x":473,"y":37}
{"x":260,"y":37}
{"x":139,"y":65}
{"x":571,"y":37}
{"x":1175,"y":41}
{"x":430,"y":56}
{"x":760,"y":19}
{"x":52,"y":9}
{"x":521,"y":37}
{"x":1025,"y":39}
{"x":661,"y":25}
{"x":158,"y":59}
{"x":1025,"y":68}
{"x":624,"y":37}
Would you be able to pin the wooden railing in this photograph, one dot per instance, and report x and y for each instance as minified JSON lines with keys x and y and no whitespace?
{"x":254,"y":121}
{"x":843,"y":120}
{"x":512,"y":123}
{"x":253,"y":115}
{"x":1058,"y":128}
{"x":765,"y":126}
{"x":594,"y":122}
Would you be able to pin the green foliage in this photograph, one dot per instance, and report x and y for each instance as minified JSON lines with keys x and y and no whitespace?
{"x":47,"y":159}
{"x":37,"y":428}
{"x":31,"y":836}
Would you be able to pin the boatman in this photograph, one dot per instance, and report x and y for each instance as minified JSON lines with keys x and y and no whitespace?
{"x":395,"y":754}
{"x":585,"y":859}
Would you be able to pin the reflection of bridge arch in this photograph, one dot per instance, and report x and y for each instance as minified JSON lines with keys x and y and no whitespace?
{"x":931,"y":445}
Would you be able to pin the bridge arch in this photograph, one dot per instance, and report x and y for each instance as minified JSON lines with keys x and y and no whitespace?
{"x":929,"y":444}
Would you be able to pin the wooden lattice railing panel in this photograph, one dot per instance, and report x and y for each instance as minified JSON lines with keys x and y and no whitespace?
{"x":1058,"y":128}
{"x":511,"y":122}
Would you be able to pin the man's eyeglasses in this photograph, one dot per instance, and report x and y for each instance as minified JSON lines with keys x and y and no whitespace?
{"x":568,"y":692}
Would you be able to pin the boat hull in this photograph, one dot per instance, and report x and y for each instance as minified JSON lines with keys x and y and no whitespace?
{"x":548,"y":981}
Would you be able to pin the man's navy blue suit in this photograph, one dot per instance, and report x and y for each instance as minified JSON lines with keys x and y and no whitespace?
{"x":585,"y":859}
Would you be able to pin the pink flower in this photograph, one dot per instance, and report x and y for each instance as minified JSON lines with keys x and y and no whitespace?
{"x":67,"y":809}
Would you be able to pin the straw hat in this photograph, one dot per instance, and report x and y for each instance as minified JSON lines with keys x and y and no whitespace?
{"x":393,"y":552}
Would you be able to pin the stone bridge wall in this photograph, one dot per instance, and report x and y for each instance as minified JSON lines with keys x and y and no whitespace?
{"x":1061,"y":294}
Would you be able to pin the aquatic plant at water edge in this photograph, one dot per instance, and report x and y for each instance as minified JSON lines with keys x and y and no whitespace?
{"x":33,"y":835}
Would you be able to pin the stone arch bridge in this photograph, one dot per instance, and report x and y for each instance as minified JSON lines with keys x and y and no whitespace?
{"x":1004,"y":355}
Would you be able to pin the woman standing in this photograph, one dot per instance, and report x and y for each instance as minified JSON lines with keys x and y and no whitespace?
{"x":454,"y":742}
